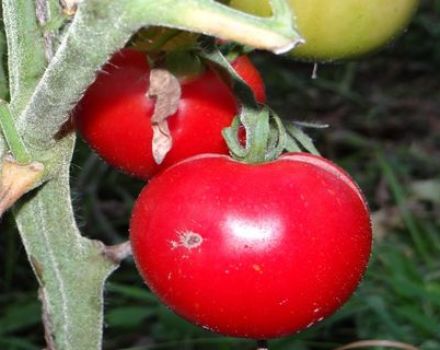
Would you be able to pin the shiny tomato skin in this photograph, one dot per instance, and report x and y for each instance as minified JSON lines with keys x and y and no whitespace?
{"x":255,"y":251}
{"x":114,"y":114}
{"x":341,"y":29}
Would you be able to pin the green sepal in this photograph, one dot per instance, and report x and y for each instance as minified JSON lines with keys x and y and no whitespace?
{"x":257,"y":126}
{"x":302,"y":138}
{"x":230,"y":134}
{"x":277,"y":147}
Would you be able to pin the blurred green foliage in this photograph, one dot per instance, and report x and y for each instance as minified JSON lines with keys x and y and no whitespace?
{"x":384,"y":117}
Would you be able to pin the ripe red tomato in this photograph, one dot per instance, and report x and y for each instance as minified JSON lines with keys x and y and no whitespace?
{"x":114,"y":116}
{"x":255,"y":251}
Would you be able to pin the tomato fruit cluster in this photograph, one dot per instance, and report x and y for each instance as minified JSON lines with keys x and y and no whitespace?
{"x":248,"y":250}
{"x":114,"y":116}
{"x":338,"y":29}
{"x":252,"y":250}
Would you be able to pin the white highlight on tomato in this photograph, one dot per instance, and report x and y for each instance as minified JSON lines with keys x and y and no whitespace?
{"x":253,"y":232}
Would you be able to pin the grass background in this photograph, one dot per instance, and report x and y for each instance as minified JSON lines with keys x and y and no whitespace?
{"x":384,"y":117}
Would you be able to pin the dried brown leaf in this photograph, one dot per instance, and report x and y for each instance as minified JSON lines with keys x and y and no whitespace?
{"x":165,"y":88}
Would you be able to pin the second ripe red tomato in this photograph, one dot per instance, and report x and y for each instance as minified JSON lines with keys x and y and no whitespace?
{"x":114,"y":116}
{"x":252,"y":250}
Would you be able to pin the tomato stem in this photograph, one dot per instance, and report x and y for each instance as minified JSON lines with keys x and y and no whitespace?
{"x":243,"y":92}
{"x":266,"y":135}
{"x":256,"y":120}
{"x":13,"y":139}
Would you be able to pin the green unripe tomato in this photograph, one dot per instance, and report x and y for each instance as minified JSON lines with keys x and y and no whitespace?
{"x":340,"y":29}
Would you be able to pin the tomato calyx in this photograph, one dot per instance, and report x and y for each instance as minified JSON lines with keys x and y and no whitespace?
{"x":267,"y":135}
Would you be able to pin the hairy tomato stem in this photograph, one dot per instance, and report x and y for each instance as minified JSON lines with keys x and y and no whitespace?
{"x":10,"y":133}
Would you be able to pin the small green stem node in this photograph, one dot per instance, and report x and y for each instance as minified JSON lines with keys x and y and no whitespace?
{"x":11,"y":135}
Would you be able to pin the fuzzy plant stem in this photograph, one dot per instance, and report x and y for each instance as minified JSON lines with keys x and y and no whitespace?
{"x":14,"y":141}
{"x":48,"y":74}
{"x":71,"y":269}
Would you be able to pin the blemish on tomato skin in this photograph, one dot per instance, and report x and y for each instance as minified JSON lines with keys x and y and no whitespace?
{"x":187,"y":239}
{"x":257,"y":268}
{"x":191,"y":240}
